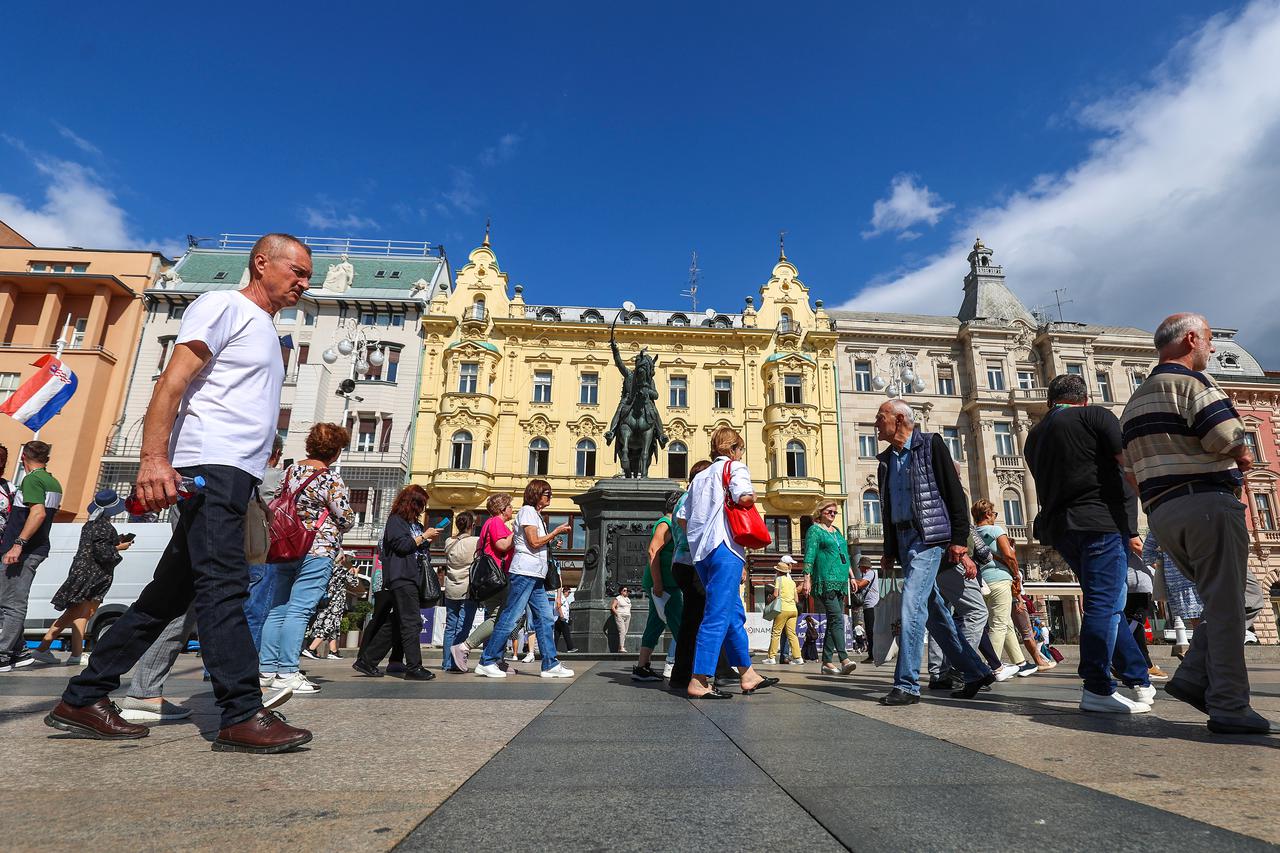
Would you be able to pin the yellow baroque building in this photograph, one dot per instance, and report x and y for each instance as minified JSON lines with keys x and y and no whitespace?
{"x":513,"y":390}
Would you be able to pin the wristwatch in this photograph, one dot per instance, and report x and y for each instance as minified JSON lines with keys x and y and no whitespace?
{"x":20,"y":542}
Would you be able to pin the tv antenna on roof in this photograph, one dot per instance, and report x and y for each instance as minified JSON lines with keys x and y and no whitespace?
{"x":1057,"y":296}
{"x":692,"y":292}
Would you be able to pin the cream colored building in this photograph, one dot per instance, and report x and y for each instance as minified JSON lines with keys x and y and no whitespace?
{"x":513,"y":390}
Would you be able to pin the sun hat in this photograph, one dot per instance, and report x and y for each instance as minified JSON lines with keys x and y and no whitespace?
{"x":105,"y":502}
{"x":785,"y":564}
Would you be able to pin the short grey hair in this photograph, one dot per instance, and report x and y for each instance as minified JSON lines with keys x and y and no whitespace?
{"x":898,"y":407}
{"x":1176,"y":326}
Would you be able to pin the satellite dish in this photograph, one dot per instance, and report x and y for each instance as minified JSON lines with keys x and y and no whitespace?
{"x":628,"y":306}
{"x":711,"y":313}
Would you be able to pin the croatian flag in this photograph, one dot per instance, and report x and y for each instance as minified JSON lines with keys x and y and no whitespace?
{"x":42,"y":396}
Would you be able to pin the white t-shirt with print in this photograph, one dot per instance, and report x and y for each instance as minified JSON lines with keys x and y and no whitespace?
{"x":229,"y":412}
{"x":531,"y":562}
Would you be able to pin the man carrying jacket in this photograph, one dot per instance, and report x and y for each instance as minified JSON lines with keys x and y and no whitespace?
{"x":926,"y":520}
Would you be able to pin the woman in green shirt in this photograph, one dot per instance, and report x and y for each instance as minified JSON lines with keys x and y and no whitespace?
{"x":658,"y":582}
{"x":826,"y":575}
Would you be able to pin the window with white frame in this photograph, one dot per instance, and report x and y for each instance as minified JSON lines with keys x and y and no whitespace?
{"x":9,"y":382}
{"x":1026,"y":379}
{"x":1251,"y":444}
{"x":539,"y":457}
{"x":870,"y":507}
{"x":678,"y":390}
{"x":589,"y":389}
{"x":585,"y":460}
{"x":1012,"y":508}
{"x":1075,"y":369}
{"x":724,"y":392}
{"x":1004,"y":439}
{"x":951,"y":436}
{"x":542,"y":386}
{"x":793,"y":388}
{"x":797,"y":464}
{"x":366,"y":434}
{"x":287,"y":317}
{"x":862,"y":375}
{"x":176,"y":310}
{"x":946,"y":381}
{"x":1104,"y":387}
{"x":1262,"y":506}
{"x":868,"y":445}
{"x":468,"y":377}
{"x":995,"y":376}
{"x":461,"y":457}
{"x":1136,"y":378}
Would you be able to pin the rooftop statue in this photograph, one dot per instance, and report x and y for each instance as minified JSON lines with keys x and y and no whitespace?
{"x":340,"y":276}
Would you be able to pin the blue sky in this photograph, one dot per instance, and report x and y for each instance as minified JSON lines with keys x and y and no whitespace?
{"x":607,"y":144}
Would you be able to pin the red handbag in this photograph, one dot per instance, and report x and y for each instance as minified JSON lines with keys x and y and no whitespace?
{"x":746,"y":526}
{"x":291,"y":537}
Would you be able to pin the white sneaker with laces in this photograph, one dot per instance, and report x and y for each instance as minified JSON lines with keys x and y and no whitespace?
{"x":489,"y":670}
{"x":1113,"y":704}
{"x":297,"y":682}
{"x":1006,"y":672}
{"x":265,"y":679}
{"x":1144,"y":695}
{"x":527,"y":658}
{"x":310,"y":655}
{"x":558,"y":671}
{"x":769,"y":661}
{"x":666,"y":670}
{"x":274,"y":697}
{"x":797,"y":662}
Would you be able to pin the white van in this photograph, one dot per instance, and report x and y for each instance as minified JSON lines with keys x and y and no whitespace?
{"x":131,"y":575}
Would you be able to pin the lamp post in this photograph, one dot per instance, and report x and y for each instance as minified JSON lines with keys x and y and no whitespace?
{"x":902,"y":377}
{"x":349,"y":341}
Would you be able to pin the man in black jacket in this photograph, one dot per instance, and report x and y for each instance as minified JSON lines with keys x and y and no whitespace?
{"x":926,"y":519}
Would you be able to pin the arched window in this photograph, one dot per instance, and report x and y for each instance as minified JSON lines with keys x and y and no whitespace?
{"x":549,"y":315}
{"x":784,"y":321}
{"x":635,"y":318}
{"x":677,"y":460}
{"x":797,"y":465}
{"x":1012,"y":507}
{"x":678,"y":319}
{"x":870,"y":507}
{"x":477,"y":308}
{"x":539,"y":454}
{"x":592,"y":316}
{"x":586,"y":458}
{"x":461,"y":457}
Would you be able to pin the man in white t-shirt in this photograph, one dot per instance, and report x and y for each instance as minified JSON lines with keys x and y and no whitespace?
{"x":212,"y":415}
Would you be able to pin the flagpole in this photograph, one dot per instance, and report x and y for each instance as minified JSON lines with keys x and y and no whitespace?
{"x":57,"y":353}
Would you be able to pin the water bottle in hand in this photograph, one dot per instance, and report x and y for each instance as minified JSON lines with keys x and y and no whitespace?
{"x":187,"y":487}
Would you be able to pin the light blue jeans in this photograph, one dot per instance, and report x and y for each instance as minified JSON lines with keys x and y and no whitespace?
{"x":457,"y":619}
{"x":297,"y":590}
{"x":521,"y":591}
{"x":262,"y":595}
{"x":924,"y":608}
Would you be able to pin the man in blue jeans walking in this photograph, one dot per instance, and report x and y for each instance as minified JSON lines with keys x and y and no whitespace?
{"x":926,"y":519}
{"x":1086,"y":513}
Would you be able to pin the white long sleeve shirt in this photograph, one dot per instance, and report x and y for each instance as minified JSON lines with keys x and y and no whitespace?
{"x":703,"y":512}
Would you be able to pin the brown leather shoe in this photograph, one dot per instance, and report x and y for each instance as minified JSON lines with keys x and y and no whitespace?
{"x":99,"y":721}
{"x":264,"y":733}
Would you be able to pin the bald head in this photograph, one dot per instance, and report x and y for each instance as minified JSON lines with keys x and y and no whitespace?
{"x":272,"y":246}
{"x":1185,"y":338}
{"x":895,"y":422}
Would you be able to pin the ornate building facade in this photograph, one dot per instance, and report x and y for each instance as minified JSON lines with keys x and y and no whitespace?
{"x":514,"y":390}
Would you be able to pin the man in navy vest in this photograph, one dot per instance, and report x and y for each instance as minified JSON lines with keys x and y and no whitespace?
{"x":926,"y":520}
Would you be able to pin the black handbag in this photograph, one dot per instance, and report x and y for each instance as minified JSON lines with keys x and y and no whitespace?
{"x":486,"y":578}
{"x":552,"y":580}
{"x":429,"y":593}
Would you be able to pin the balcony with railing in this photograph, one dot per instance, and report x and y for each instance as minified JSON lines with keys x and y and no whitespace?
{"x":864,"y":532}
{"x":789,"y":330}
{"x":794,"y":494}
{"x":391,"y":456}
{"x":1004,"y":462}
{"x":1028,"y":395}
{"x":459,"y":487}
{"x":475,"y":317}
{"x":780,"y":414}
{"x":1269,"y":536}
{"x":1018,"y":533}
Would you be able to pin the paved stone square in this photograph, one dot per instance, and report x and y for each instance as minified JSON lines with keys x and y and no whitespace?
{"x":596,"y":762}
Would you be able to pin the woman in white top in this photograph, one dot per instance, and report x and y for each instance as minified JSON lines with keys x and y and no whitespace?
{"x":621,"y":609}
{"x":528,"y":574}
{"x":719,"y":562}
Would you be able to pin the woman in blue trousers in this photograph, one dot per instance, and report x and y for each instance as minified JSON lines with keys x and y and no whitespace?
{"x":719,"y":561}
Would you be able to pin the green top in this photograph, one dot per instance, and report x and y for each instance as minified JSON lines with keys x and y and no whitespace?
{"x":664,"y":557}
{"x":826,"y":560}
{"x":38,"y":488}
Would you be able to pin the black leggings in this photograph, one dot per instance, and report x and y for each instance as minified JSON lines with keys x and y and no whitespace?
{"x":1136,"y":607}
{"x":695,"y":604}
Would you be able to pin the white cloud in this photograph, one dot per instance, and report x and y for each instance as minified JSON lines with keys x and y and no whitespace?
{"x":325,"y":215}
{"x":504,"y":150}
{"x":1174,"y":208}
{"x":908,"y":204}
{"x":77,"y":210}
{"x":77,"y":140}
{"x":462,"y":194}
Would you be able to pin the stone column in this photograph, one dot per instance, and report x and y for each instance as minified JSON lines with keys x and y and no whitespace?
{"x":50,"y":316}
{"x":93,"y":333}
{"x":8,"y":299}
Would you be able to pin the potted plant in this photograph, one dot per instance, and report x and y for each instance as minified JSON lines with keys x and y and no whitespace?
{"x":353,"y":621}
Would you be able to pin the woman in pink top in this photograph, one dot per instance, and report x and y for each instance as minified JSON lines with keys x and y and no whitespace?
{"x":496,"y":539}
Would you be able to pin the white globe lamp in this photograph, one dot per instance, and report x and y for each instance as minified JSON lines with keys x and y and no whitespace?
{"x":329,"y":356}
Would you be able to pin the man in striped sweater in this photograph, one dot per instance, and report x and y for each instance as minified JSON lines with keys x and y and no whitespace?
{"x":1184,"y":445}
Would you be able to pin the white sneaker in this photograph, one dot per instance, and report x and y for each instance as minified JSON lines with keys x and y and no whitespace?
{"x":489,"y":670}
{"x":666,"y":670}
{"x":769,"y":661}
{"x":274,"y":697}
{"x":142,"y":711}
{"x":797,"y":661}
{"x":1144,"y":695}
{"x":1027,"y":670}
{"x":527,"y":658}
{"x":265,"y":679}
{"x":1006,"y":672}
{"x":297,"y":682}
{"x":310,"y":655}
{"x":1113,"y":704}
{"x":558,"y":671}
{"x":44,"y":656}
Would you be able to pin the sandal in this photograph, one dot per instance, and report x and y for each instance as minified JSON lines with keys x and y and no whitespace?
{"x":713,"y":693}
{"x":764,"y":682}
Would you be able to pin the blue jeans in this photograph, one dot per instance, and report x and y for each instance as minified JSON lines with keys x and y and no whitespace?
{"x":724,"y":621}
{"x":298,"y":588}
{"x":458,"y":616}
{"x":1102,"y":567}
{"x":262,"y":581}
{"x":521,"y":591}
{"x":924,"y":608}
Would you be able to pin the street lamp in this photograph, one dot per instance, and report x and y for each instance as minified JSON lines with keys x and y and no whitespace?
{"x":902,"y":377}
{"x":349,"y":339}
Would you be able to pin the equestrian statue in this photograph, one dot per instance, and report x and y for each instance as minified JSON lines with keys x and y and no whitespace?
{"x":636,"y":430}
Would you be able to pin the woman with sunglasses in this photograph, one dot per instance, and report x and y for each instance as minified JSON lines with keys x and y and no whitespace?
{"x":826,"y":575}
{"x":528,"y":587}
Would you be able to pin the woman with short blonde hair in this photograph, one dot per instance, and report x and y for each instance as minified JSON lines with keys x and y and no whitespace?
{"x":826,"y":575}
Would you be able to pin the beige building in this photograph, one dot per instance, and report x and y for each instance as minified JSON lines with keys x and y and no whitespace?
{"x":513,"y":390}
{"x":94,"y":300}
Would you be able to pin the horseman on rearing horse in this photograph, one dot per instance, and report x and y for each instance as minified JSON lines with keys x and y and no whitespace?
{"x":636,"y":425}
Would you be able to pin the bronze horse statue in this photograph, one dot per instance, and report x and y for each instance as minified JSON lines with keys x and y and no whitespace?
{"x":636,"y":430}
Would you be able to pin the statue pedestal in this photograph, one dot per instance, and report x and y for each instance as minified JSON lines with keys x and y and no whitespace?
{"x":618,"y":514}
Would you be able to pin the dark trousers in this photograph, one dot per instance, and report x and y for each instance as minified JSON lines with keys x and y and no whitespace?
{"x":833,"y":637}
{"x":1136,"y":607}
{"x":562,"y":630}
{"x":395,"y":613}
{"x":695,"y":605}
{"x":869,"y":623}
{"x":204,"y":562}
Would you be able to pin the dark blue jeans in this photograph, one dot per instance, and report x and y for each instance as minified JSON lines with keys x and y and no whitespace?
{"x":204,"y":562}
{"x":262,"y":578}
{"x":1100,"y":564}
